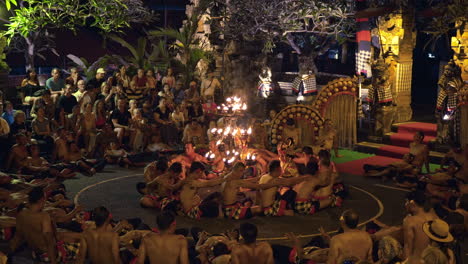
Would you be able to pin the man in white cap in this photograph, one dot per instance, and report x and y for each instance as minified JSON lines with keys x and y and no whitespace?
{"x":97,"y":81}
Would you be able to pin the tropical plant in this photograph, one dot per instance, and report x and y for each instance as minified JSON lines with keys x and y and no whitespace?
{"x":139,"y":53}
{"x":190,"y":51}
{"x":89,"y":69}
{"x":3,"y":65}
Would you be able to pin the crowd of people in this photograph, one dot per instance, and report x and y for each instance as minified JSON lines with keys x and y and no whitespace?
{"x":73,"y":125}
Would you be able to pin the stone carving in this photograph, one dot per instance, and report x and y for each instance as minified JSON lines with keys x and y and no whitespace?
{"x":381,"y":98}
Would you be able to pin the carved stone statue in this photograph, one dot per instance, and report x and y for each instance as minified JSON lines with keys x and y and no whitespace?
{"x":265,"y":85}
{"x":449,"y":84}
{"x":381,"y":98}
{"x":305,"y":83}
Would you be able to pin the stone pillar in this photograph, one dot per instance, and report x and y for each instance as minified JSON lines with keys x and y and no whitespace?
{"x":460,"y":48}
{"x":398,"y":38}
{"x":405,"y":68}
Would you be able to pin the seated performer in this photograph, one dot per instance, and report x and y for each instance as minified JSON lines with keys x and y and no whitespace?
{"x":272,"y":203}
{"x":393,"y":170}
{"x":189,"y":157}
{"x":192,"y":204}
{"x":420,"y":152}
{"x":160,"y":191}
{"x":231,"y":207}
{"x":459,"y":155}
{"x":154,"y":169}
{"x":327,"y":139}
{"x":303,"y":203}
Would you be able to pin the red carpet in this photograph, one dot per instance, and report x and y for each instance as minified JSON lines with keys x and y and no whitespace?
{"x":355,"y":167}
{"x":406,"y":132}
{"x":427,"y":128}
{"x":392,"y":151}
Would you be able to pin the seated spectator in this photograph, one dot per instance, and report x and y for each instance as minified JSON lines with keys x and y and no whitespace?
{"x":192,"y":94}
{"x":67,"y":101}
{"x":120,"y":118}
{"x":161,"y":116}
{"x":140,"y":130}
{"x":74,"y":78}
{"x":9,"y":113}
{"x":81,"y":89}
{"x":132,"y":105}
{"x":4,"y":129}
{"x":194,"y":134}
{"x":73,"y":121}
{"x":439,"y":233}
{"x":209,"y":109}
{"x":29,"y":87}
{"x":55,"y":84}
{"x":195,"y":110}
{"x":138,"y":87}
{"x":168,"y":95}
{"x":19,"y":124}
{"x":88,"y":128}
{"x":169,"y":79}
{"x":42,"y":131}
{"x":96,"y":82}
{"x":99,"y":111}
{"x":178,"y":117}
{"x":433,"y":255}
{"x":122,"y":78}
{"x":389,"y":251}
{"x":151,"y":79}
{"x":46,"y":102}
{"x":179,"y":93}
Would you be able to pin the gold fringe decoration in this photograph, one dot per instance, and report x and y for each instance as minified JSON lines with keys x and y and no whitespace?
{"x":342,"y":111}
{"x":464,"y":125}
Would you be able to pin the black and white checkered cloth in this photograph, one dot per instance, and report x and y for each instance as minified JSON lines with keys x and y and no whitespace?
{"x":306,"y":86}
{"x":383,"y":94}
{"x":363,"y":62}
{"x":446,"y":101}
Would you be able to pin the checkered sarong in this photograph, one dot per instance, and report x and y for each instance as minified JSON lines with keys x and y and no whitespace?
{"x":306,"y":85}
{"x":380,"y":94}
{"x":66,"y":252}
{"x":194,"y":213}
{"x":276,"y":209}
{"x":235,"y":211}
{"x":363,"y":62}
{"x":306,"y":207}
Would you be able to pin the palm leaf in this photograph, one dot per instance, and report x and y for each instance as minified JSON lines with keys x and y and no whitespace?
{"x":78,"y":61}
{"x":125,"y":44}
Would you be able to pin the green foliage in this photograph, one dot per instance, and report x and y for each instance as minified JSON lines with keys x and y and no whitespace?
{"x":9,"y":3}
{"x":186,"y":44}
{"x":89,"y":69}
{"x":3,"y":65}
{"x":139,"y":54}
{"x":35,"y":15}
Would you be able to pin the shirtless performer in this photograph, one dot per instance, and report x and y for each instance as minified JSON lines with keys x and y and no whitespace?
{"x":60,"y":150}
{"x":390,"y":171}
{"x":327,"y":139}
{"x":189,"y":198}
{"x":151,"y":171}
{"x":231,"y":207}
{"x":161,"y":189}
{"x":18,"y":153}
{"x":352,"y":243}
{"x":165,"y":247}
{"x":189,"y":156}
{"x":304,"y":204}
{"x":415,"y":240}
{"x":102,"y":243}
{"x":271,"y":205}
{"x":35,"y":227}
{"x":458,"y":154}
{"x":251,"y":251}
{"x":420,"y":151}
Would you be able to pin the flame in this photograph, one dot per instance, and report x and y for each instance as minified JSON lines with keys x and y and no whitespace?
{"x":212,"y":156}
{"x":218,"y":142}
{"x":249,"y":131}
{"x":248,"y":156}
{"x":213,"y":130}
{"x":220,"y":131}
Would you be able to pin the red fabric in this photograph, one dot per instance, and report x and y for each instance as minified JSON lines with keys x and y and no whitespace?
{"x":392,"y":151}
{"x":355,"y":167}
{"x":363,"y":35}
{"x":427,"y":128}
{"x":404,"y":139}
